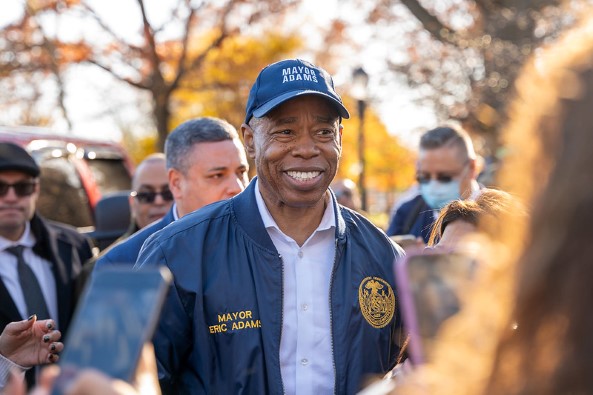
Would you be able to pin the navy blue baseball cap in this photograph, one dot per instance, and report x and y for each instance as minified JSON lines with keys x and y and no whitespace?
{"x":286,"y":80}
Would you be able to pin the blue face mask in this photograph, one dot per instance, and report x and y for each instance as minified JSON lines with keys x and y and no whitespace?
{"x":438,"y":194}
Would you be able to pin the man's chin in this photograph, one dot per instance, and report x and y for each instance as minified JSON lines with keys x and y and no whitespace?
{"x":10,"y":228}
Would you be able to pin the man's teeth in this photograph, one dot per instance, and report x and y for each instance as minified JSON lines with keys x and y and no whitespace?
{"x":304,"y":175}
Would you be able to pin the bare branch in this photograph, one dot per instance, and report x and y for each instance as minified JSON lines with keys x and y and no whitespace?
{"x":483,"y":5}
{"x":430,"y":23}
{"x":197,"y":61}
{"x":149,"y":37}
{"x":172,"y":17}
{"x":119,"y":77}
{"x":50,"y":49}
{"x":183,"y":57}
{"x":110,"y":31}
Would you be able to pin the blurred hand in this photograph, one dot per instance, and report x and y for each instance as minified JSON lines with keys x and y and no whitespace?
{"x":31,"y":342}
{"x":147,"y":382}
{"x":409,"y":243}
{"x":93,"y":382}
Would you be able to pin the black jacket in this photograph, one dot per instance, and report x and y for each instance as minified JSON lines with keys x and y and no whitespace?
{"x":414,"y":217}
{"x":67,"y":250}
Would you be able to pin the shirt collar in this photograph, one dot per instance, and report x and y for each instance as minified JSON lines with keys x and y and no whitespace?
{"x":327,"y":222}
{"x":175,"y":215}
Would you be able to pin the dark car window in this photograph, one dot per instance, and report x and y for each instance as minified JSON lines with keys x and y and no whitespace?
{"x":62,"y":196}
{"x":110,"y":175}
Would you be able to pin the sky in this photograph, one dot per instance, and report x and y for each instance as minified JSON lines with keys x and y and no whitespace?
{"x":86,"y":86}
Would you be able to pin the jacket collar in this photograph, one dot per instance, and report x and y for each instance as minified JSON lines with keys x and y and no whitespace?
{"x":46,"y":245}
{"x":245,"y":212}
{"x":171,"y":215}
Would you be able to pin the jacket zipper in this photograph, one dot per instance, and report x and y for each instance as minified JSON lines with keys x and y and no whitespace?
{"x":331,"y":316}
{"x":281,"y":320}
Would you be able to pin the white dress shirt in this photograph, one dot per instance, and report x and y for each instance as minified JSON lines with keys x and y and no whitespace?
{"x":175,"y":214}
{"x":306,"y":355}
{"x":41,"y":268}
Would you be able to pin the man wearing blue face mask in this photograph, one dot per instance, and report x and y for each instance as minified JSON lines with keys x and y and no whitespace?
{"x":446,"y":171}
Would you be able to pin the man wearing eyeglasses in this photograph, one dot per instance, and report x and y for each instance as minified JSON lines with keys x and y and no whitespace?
{"x":39,"y":259}
{"x":151,"y":197}
{"x":446,"y":170}
{"x":206,"y":162}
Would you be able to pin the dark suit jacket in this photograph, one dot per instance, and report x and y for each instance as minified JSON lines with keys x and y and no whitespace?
{"x":127,"y":251}
{"x":89,"y":265}
{"x":66,"y":250}
{"x":414,"y":217}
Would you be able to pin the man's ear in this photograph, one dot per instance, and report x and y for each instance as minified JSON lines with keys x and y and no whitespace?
{"x":474,"y":168}
{"x":248,"y":140}
{"x":340,"y":130}
{"x":132,"y":202}
{"x":175,"y":183}
{"x":479,"y":165}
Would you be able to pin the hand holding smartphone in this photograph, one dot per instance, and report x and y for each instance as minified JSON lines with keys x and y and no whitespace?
{"x":429,"y":285}
{"x":115,"y":317}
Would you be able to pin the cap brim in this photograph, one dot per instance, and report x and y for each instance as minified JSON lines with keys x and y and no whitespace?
{"x":27,"y":169}
{"x":275,"y":102}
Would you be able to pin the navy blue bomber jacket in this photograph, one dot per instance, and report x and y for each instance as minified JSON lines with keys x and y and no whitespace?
{"x":220,"y":328}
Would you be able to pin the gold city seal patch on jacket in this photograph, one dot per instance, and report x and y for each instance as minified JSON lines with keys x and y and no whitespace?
{"x":377,"y":301}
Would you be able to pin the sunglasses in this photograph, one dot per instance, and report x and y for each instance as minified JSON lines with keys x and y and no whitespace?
{"x":150,"y":196}
{"x":21,"y":188}
{"x":442,"y":178}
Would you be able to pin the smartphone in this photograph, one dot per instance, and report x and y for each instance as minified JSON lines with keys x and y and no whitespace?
{"x":429,"y":286}
{"x":403,"y":238}
{"x":115,"y":317}
{"x":409,"y":242}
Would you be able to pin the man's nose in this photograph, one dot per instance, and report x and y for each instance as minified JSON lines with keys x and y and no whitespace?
{"x":159,"y":200}
{"x":10,"y":194}
{"x":306,"y":147}
{"x":235,"y":186}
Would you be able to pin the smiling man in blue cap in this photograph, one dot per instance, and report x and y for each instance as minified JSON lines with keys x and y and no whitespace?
{"x":279,"y":289}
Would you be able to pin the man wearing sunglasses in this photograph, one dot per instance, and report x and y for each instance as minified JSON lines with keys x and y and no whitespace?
{"x":39,"y":260}
{"x":151,"y":197}
{"x":206,"y":162}
{"x":446,"y":170}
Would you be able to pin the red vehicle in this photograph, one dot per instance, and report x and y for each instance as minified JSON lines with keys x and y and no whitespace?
{"x":75,"y":172}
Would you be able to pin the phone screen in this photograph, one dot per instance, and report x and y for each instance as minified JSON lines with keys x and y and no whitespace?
{"x":115,"y":317}
{"x":430,"y":286}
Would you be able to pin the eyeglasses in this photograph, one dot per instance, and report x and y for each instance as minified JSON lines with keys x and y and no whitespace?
{"x":150,"y":196}
{"x":21,"y":188}
{"x":442,"y":178}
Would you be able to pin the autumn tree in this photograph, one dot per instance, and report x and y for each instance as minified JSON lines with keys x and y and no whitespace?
{"x":221,"y":86}
{"x":160,"y":55}
{"x":389,"y":165}
{"x":463,"y":55}
{"x":31,"y":61}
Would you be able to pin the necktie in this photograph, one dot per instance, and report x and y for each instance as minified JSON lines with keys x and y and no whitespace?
{"x":29,"y":285}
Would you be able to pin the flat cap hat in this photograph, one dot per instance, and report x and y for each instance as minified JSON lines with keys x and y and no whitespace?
{"x":14,"y":157}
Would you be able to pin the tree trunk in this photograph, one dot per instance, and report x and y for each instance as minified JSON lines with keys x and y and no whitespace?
{"x":162,"y":114}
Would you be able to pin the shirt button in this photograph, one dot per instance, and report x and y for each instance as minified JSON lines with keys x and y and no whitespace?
{"x":304,"y":361}
{"x":305,"y":307}
{"x":300,"y":254}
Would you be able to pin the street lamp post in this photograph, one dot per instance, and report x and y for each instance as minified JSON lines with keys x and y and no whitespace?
{"x":360,"y":81}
